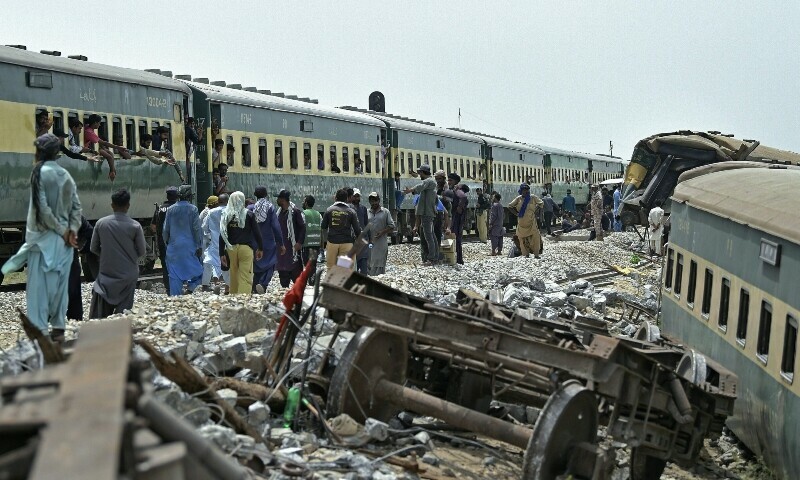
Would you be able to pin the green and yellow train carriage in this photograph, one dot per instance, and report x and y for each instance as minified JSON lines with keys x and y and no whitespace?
{"x":131,"y":102}
{"x":284,"y":143}
{"x":730,"y":291}
{"x":511,"y":164}
{"x":567,"y":170}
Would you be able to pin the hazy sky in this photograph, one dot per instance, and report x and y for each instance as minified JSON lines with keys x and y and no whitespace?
{"x":572,"y":75}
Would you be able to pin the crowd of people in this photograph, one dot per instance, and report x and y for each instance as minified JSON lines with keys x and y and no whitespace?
{"x":236,"y":244}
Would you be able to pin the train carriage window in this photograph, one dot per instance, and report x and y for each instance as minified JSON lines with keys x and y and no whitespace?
{"x":58,"y":121}
{"x":320,"y":157}
{"x":307,"y":156}
{"x":263,"y":162}
{"x":130,"y":134}
{"x":419,"y":160}
{"x":169,"y":136}
{"x":433,"y":167}
{"x":334,"y":160}
{"x":744,"y":313}
{"x":692,"y":283}
{"x":397,"y":163}
{"x":230,"y":151}
{"x":461,"y":167}
{"x":448,"y":170}
{"x":708,"y":283}
{"x":789,"y":348}
{"x":678,"y":274}
{"x":246,"y":152}
{"x":724,"y":303}
{"x":368,"y":160}
{"x":117,"y":137}
{"x":358,"y":163}
{"x":293,"y":155}
{"x":278,"y":154}
{"x":142,"y":128}
{"x":410,"y":158}
{"x":668,"y":276}
{"x":402,"y":162}
{"x":345,"y":159}
{"x":764,"y":328}
{"x":377,"y":162}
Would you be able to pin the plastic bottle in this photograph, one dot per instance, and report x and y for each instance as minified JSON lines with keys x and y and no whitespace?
{"x":292,"y":399}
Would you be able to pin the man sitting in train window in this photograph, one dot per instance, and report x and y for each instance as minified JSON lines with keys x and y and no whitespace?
{"x":73,"y":140}
{"x":123,"y":152}
{"x":161,"y":139}
{"x":91,"y":139}
{"x":219,"y":144}
{"x":43,"y":123}
{"x":61,"y":136}
{"x":145,"y":141}
{"x":220,"y":177}
{"x":194,"y":136}
{"x":278,"y":160}
{"x":335,"y":168}
{"x":230,"y":155}
{"x":307,"y":159}
{"x":358,"y":165}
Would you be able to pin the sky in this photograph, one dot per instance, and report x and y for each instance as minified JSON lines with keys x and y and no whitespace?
{"x":566,"y":74}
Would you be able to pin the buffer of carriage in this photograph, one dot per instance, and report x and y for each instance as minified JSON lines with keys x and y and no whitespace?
{"x":448,"y":363}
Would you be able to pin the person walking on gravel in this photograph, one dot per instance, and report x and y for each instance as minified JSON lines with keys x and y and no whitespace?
{"x":119,"y":242}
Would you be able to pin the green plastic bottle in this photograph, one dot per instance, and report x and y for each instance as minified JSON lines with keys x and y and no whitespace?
{"x":292,"y":399}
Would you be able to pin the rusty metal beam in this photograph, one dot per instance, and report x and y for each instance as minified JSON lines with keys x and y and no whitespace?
{"x":452,"y":414}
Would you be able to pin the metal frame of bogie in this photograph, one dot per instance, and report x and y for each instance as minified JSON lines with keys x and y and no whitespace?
{"x":634,"y":388}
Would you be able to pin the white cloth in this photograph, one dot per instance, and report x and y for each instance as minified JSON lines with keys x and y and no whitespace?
{"x":234,"y":209}
{"x":656,"y":220}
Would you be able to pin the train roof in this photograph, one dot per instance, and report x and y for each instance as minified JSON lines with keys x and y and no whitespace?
{"x":726,"y":147}
{"x":271,"y":102}
{"x":418,"y":126}
{"x":749,"y":193}
{"x":497,"y":142}
{"x":588,"y":156}
{"x":25,"y":58}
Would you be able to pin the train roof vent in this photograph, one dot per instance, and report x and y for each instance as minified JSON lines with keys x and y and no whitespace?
{"x":292,"y":97}
{"x":264,"y":92}
{"x":157,"y":71}
{"x":235,"y":86}
{"x":250,"y":89}
{"x":278,"y":94}
{"x":21,"y":47}
{"x":82,"y":58}
{"x":183,"y":77}
{"x":219,"y":83}
{"x":166,"y":73}
{"x":314,"y":101}
{"x":200,"y":80}
{"x":54,"y":53}
{"x":305,"y":99}
{"x":714,"y":132}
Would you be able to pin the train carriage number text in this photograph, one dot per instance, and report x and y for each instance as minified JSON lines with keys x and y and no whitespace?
{"x":156,"y":102}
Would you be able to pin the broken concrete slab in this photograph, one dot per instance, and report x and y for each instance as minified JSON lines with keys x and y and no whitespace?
{"x":240,"y":321}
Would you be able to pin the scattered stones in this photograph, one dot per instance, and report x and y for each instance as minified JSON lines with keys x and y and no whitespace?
{"x":376,"y":429}
{"x":240,"y":321}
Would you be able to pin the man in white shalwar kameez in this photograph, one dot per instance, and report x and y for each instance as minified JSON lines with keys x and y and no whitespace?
{"x":656,"y":220}
{"x":54,"y":217}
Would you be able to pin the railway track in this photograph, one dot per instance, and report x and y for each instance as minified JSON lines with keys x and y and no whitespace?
{"x":146,"y":277}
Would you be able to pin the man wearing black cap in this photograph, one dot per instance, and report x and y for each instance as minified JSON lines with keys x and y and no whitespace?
{"x":293,"y":234}
{"x":342,"y":226}
{"x":157,"y":225}
{"x":51,"y":234}
{"x":425,"y":213}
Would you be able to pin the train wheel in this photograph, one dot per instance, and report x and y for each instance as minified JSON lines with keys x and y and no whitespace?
{"x":644,"y":466}
{"x":568,"y":419}
{"x":370,"y":356}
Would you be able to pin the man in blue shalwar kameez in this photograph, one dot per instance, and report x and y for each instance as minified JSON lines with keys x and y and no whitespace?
{"x":54,"y":217}
{"x":267,"y":221}
{"x":184,"y":241}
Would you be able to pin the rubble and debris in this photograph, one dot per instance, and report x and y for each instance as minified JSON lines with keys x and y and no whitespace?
{"x":227,"y":376}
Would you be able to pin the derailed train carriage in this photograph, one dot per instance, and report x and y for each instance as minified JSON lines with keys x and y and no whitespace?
{"x":730,"y":290}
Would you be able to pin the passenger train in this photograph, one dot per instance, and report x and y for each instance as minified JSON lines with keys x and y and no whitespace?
{"x":730,"y":291}
{"x":280,"y":141}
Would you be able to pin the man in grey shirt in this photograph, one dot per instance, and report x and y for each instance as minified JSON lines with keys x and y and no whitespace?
{"x":119,"y":242}
{"x":425,"y":213}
